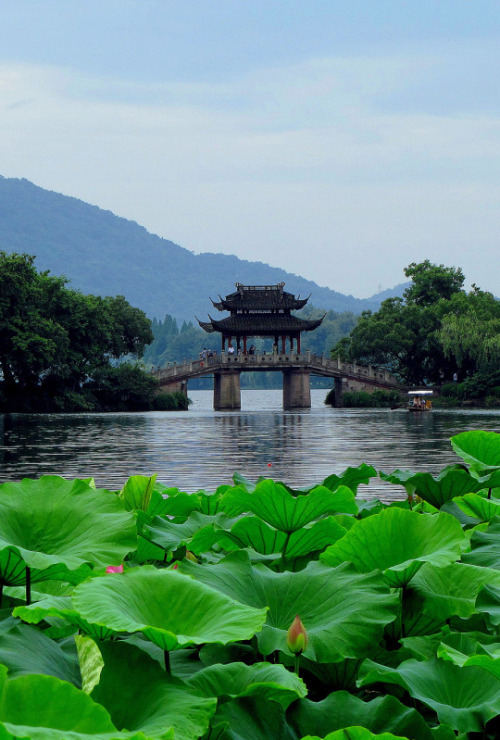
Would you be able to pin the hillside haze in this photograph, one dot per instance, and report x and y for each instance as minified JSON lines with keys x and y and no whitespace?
{"x":104,"y":254}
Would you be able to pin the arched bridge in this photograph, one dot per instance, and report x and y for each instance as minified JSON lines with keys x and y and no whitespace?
{"x":296,"y":369}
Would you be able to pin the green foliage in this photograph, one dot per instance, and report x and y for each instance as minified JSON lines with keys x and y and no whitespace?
{"x":57,"y":345}
{"x":434,"y":333}
{"x":362,"y":399}
{"x":401,"y":607}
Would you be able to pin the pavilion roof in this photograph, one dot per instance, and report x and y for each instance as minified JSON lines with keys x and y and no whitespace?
{"x":258,"y":298}
{"x":260,"y":324}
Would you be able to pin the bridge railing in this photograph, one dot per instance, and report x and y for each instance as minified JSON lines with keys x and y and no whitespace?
{"x":205,"y":364}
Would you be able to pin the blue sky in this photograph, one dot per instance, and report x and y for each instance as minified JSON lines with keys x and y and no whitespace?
{"x":338,"y":140}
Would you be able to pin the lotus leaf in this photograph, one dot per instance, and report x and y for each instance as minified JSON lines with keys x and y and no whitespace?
{"x":479,"y":507}
{"x":152,"y":701}
{"x":210,"y":502}
{"x":485,"y":547}
{"x":90,"y":660}
{"x":451,"y":590}
{"x":351,"y":477}
{"x":285,"y":512}
{"x":250,"y":718}
{"x":137,"y":491}
{"x":25,"y":649}
{"x":355,"y":733}
{"x":56,"y":527}
{"x":45,"y":707}
{"x":253,"y":532}
{"x":170,"y":535}
{"x":398,"y":542}
{"x":61,"y":607}
{"x":170,"y":609}
{"x":452,"y":481}
{"x":463,"y":698}
{"x":344,"y":612}
{"x":265,"y":680}
{"x":488,"y":602}
{"x":480,"y":450}
{"x":383,"y":714}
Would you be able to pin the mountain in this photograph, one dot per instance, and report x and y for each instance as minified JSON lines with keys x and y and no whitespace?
{"x":104,"y":254}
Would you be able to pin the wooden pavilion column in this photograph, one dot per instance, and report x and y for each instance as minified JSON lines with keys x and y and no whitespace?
{"x":298,"y":344}
{"x":283,"y":344}
{"x":244,"y":345}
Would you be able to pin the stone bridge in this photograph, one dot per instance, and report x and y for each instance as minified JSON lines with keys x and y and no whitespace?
{"x":296,"y":369}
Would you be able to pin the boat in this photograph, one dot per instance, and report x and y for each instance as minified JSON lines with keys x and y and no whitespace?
{"x":420,"y":400}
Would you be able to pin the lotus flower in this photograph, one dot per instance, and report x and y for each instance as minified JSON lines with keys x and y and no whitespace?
{"x":296,"y":637}
{"x":114,"y":568}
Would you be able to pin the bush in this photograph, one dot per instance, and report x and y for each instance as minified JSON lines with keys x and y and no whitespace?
{"x":171,"y":402}
{"x":362,"y":399}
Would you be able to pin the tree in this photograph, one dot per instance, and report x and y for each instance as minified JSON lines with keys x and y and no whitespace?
{"x":52,"y":338}
{"x":431,"y":283}
{"x":433,"y":332}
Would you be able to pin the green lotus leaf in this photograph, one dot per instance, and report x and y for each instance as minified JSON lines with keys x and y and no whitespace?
{"x":451,"y":590}
{"x":250,"y":718}
{"x":137,"y":491}
{"x":343,"y":611}
{"x":170,"y":535}
{"x":25,"y":650}
{"x":62,"y":607}
{"x":340,"y":709}
{"x":452,"y":481}
{"x":275,"y":505}
{"x":170,"y":609}
{"x":479,"y":507}
{"x":485,"y":547}
{"x":210,"y":502}
{"x":172,"y":502}
{"x":351,"y":477}
{"x":140,"y":696}
{"x":265,"y":680}
{"x":463,"y":698}
{"x":253,"y":532}
{"x":45,"y":707}
{"x":55,"y":522}
{"x":398,"y":542}
{"x":471,"y":649}
{"x":488,"y":602}
{"x":355,"y":733}
{"x":90,"y":661}
{"x":479,"y":449}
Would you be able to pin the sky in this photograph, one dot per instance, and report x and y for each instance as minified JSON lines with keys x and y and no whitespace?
{"x":340,"y":140}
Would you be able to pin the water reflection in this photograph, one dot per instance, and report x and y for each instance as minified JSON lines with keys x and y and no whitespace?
{"x":201,"y":448}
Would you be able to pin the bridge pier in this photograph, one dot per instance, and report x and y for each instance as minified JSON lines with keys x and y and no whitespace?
{"x":296,"y":389}
{"x":337,"y":392}
{"x":227,"y":391}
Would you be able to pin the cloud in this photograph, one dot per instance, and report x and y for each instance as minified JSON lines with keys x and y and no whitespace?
{"x":305,"y":166}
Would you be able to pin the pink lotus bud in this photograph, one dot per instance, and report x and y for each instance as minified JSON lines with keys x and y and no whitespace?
{"x":114,"y":568}
{"x":175,"y":566}
{"x":191,"y":556}
{"x":296,"y":637}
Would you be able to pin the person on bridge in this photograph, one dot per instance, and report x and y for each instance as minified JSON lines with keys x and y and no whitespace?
{"x":230,"y":350}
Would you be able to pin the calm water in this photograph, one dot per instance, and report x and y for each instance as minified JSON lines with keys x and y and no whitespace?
{"x":201,"y":448}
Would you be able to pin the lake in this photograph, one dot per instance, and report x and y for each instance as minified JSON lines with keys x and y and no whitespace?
{"x":202,"y":448}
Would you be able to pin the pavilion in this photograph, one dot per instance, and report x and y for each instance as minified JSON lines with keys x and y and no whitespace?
{"x":260,"y":311}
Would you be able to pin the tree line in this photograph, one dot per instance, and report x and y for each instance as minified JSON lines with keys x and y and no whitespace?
{"x":436,"y":334}
{"x":60,"y":350}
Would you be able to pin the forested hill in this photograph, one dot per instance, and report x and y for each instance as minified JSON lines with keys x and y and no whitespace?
{"x":104,"y":254}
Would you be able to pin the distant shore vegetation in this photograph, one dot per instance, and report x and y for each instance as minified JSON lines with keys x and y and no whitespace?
{"x":437,"y":334}
{"x":62,"y":351}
